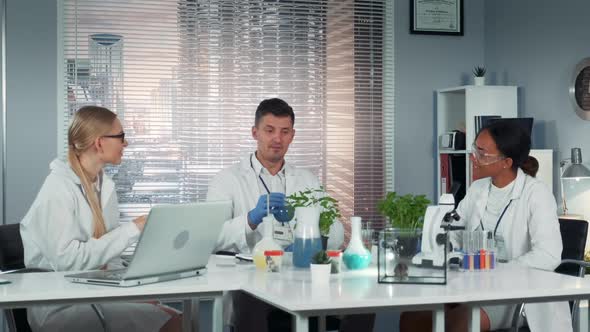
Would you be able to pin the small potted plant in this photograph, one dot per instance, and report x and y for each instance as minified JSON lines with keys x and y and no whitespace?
{"x":406,"y":215}
{"x":479,"y":73}
{"x":318,"y":197}
{"x":320,"y":267}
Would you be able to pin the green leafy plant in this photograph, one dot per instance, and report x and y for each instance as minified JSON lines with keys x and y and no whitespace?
{"x":479,"y":71}
{"x":317,"y":197}
{"x":405,"y":211}
{"x":321,"y":257}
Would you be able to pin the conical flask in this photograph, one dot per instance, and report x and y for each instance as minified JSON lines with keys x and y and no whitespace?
{"x":356,"y":256}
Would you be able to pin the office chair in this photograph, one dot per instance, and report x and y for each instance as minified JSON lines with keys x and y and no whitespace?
{"x":12,"y":259}
{"x":573,"y":236}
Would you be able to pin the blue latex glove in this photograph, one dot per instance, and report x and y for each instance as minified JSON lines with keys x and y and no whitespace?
{"x":277,"y":202}
{"x":289,"y":248}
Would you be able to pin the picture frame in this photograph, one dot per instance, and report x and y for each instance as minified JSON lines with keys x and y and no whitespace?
{"x":436,"y":17}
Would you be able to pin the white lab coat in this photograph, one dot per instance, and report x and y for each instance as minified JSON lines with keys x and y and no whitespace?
{"x":239,"y":184}
{"x":57,"y":235}
{"x":532,"y":238}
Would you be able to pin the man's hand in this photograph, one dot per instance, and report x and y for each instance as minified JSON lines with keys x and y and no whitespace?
{"x":276,"y":202}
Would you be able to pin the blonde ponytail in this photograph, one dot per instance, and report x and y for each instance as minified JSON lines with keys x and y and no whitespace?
{"x":99,"y":228}
{"x":89,"y":123}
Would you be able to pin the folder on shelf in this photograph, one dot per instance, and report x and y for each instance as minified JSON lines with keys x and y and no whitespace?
{"x":445,"y":172}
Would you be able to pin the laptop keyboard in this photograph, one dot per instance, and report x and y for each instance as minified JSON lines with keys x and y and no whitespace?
{"x":127,"y":254}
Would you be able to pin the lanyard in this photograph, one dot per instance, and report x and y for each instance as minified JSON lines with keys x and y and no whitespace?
{"x":499,"y":219}
{"x":259,"y":176}
{"x":268,"y":191}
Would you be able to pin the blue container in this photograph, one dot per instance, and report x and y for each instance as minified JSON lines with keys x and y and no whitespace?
{"x":304,"y":249}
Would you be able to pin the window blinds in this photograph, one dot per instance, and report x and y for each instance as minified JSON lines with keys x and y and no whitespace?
{"x":186,"y":76}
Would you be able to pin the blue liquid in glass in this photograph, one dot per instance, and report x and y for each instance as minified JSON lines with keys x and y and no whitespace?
{"x":465,"y":262}
{"x":356,"y":261}
{"x":304,"y":249}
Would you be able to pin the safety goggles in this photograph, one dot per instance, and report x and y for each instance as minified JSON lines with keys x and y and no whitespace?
{"x":121,"y":136}
{"x":483,"y":158}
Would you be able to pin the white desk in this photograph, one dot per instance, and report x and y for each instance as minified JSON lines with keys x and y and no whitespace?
{"x":347,"y":293}
{"x":52,"y":288}
{"x":359,"y":292}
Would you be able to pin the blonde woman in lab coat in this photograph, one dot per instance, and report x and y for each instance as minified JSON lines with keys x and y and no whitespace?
{"x":73,"y":224}
{"x":521,"y":212}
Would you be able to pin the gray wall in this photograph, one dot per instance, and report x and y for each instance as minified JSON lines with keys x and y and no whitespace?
{"x":31,"y":91}
{"x":425,"y":63}
{"x":539,"y":57}
{"x":31,"y":138}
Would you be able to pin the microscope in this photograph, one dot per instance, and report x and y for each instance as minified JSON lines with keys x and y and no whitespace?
{"x":437,"y":224}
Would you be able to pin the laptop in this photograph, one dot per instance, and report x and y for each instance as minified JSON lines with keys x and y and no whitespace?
{"x":176,"y":242}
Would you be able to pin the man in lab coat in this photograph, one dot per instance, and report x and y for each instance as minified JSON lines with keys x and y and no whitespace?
{"x":264,"y":172}
{"x":246,"y":184}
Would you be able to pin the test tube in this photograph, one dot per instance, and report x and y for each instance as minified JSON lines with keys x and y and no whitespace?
{"x":470,"y":252}
{"x":491,"y":250}
{"x":466,"y":248}
{"x":476,"y":247}
{"x":482,"y":251}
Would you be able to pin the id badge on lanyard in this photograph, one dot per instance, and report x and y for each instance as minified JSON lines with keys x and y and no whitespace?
{"x":282,"y":233}
{"x":500,"y":243}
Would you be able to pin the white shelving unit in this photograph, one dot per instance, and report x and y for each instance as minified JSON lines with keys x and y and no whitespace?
{"x":456,"y":110}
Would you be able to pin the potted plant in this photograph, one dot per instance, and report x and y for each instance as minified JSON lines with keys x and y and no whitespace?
{"x":404,"y":211}
{"x":406,"y":215}
{"x":320,"y":267}
{"x":317,"y":197}
{"x":479,"y":73}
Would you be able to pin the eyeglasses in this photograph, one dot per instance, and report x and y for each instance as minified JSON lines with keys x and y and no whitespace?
{"x":121,"y":136}
{"x":483,"y":158}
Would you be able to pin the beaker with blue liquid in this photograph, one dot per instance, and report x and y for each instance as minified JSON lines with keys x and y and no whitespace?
{"x":307,"y":235}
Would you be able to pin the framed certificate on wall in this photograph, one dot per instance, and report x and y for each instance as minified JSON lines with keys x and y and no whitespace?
{"x":436,"y":17}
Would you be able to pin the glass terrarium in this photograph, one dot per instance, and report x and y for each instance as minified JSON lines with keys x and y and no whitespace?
{"x":401,"y":259}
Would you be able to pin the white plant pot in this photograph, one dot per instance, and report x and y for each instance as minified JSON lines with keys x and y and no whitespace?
{"x":320,"y":273}
{"x":479,"y":81}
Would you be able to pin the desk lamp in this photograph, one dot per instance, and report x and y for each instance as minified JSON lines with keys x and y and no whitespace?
{"x":575,"y":171}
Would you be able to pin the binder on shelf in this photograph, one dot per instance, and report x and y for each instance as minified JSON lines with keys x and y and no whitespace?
{"x":445,"y":172}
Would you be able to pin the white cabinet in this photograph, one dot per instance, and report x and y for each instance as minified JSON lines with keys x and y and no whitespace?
{"x":457,"y":109}
{"x":545,"y":159}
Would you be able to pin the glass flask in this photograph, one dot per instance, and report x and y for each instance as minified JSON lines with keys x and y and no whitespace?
{"x":356,"y":256}
{"x":307,"y":235}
